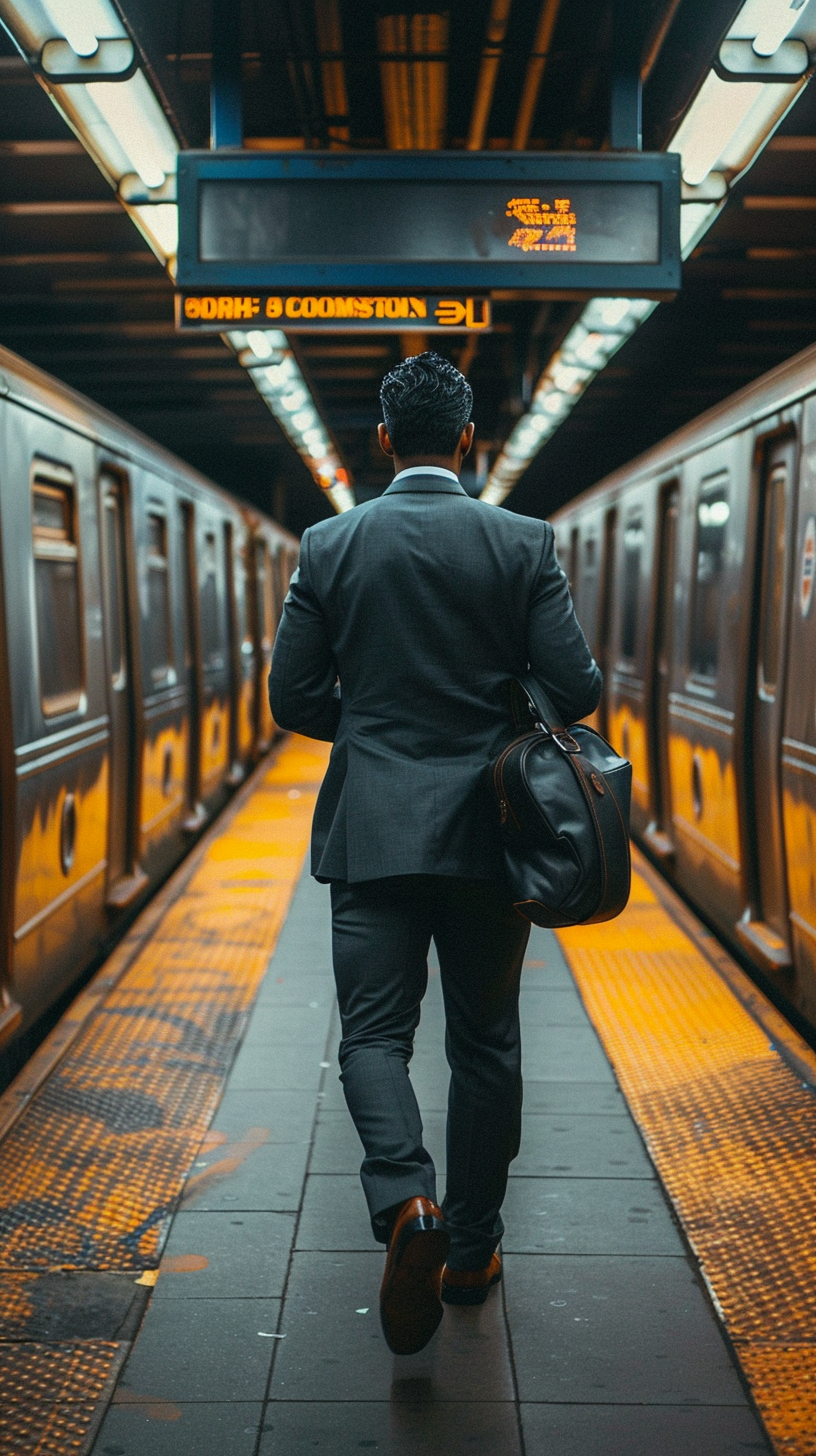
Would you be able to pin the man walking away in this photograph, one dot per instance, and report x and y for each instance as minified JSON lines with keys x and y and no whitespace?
{"x":424,"y":604}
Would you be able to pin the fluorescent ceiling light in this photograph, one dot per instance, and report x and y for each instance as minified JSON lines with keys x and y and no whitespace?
{"x":73,"y":21}
{"x":288,"y":396}
{"x":158,"y":221}
{"x":768,"y":23}
{"x":138,"y":124}
{"x":718,"y":111}
{"x":260,"y":344}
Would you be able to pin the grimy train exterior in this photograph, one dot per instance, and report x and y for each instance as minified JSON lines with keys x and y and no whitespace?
{"x":138,"y":610}
{"x":693,"y":575}
{"x":137,"y":616}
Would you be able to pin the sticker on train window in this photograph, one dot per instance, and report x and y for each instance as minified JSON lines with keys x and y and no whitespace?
{"x":808,"y":566}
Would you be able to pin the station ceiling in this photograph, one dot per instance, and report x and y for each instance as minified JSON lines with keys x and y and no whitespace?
{"x":82,"y":295}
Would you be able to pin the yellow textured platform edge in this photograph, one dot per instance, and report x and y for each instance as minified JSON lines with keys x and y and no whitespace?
{"x":731,"y":1130}
{"x":91,"y":1169}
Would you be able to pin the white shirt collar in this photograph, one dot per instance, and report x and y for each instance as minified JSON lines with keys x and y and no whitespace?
{"x":426,"y":470}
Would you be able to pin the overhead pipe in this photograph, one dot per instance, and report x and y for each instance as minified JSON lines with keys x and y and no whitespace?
{"x":488,"y":72}
{"x":333,"y":72}
{"x":534,"y":74}
{"x":414,"y":73}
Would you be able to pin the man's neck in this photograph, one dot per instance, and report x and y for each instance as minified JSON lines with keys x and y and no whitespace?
{"x":435,"y":462}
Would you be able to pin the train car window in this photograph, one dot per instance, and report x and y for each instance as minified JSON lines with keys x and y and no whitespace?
{"x":266,"y":605}
{"x":633,"y":538}
{"x":212,"y":638}
{"x":56,"y":580}
{"x":773,"y":579}
{"x":114,"y":604}
{"x":158,"y":634}
{"x":712,"y":519}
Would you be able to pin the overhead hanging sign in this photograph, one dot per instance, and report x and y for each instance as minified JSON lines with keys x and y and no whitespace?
{"x":408,"y":221}
{"x":221,"y":309}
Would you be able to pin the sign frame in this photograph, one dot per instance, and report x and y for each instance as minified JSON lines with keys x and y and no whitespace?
{"x":660,"y":279}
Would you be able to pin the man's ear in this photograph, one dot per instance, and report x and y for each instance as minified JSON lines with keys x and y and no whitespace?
{"x":467,"y":438}
{"x":385,"y":443}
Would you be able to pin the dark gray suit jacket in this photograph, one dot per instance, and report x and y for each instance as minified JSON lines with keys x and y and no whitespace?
{"x":425,"y":604}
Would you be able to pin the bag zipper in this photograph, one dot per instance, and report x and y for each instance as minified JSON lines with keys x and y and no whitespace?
{"x":498,"y":777}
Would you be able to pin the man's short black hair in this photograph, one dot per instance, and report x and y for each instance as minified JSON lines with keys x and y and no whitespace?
{"x":426,"y":404}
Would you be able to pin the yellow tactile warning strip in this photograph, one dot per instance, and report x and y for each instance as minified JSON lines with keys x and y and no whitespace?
{"x":92,"y":1168}
{"x":50,"y":1394}
{"x":732,"y":1132}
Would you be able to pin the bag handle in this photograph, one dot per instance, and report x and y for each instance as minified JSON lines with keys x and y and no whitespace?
{"x":530,"y":701}
{"x":541,"y":709}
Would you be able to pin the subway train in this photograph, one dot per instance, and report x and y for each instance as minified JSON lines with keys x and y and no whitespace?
{"x":692,"y":571}
{"x":138,"y":611}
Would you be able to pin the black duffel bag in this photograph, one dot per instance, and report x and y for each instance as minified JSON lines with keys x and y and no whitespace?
{"x":563,"y":799}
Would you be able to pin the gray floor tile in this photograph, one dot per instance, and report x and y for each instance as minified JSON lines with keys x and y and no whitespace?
{"x":606,"y":1430}
{"x":334,"y":1215}
{"x":628,"y":1331}
{"x":580,"y":1099}
{"x":588,"y":1216}
{"x":332,"y":1352}
{"x":269,"y":1179}
{"x":337,"y":1148}
{"x":552,"y":975}
{"x":245,"y":1256}
{"x":303,"y":1026}
{"x":293,"y":989}
{"x":565,"y":1054}
{"x":580,"y":1147}
{"x":269,"y":1068}
{"x":556,"y":1007}
{"x":202,"y":1349}
{"x":256,"y":1152}
{"x":167,"y":1429}
{"x":431,"y":1078}
{"x":421,"y":1427}
{"x":286,"y":1115}
{"x":333,"y":1098}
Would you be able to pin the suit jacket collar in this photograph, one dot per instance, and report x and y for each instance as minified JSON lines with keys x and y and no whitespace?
{"x":441,"y":484}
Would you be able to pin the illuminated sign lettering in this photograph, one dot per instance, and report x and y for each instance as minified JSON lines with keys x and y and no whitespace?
{"x":553,"y":228}
{"x":404,"y":224}
{"x":308,"y":312}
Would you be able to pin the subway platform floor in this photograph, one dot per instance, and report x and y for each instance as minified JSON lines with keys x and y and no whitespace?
{"x":262,"y":1334}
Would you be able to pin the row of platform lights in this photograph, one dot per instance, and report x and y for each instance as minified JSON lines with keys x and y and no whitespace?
{"x":122,"y":125}
{"x":723,"y":132}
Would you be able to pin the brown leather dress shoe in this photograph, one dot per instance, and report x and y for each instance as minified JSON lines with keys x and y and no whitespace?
{"x":410,"y":1308}
{"x":470,"y":1286}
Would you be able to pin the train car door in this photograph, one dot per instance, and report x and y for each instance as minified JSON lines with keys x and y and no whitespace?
{"x":766,"y":929}
{"x":196,"y":813}
{"x":659,"y":832}
{"x":124,"y":881}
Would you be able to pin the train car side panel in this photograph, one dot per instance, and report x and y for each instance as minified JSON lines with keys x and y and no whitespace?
{"x":51,"y":574}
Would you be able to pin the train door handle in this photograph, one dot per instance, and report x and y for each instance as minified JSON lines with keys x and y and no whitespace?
{"x":697,"y":785}
{"x":67,"y":843}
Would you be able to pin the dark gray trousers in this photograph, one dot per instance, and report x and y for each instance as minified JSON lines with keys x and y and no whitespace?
{"x":382,"y":930}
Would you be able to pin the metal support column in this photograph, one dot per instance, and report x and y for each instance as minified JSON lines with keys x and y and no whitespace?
{"x":626,"y":127}
{"x":226,"y":111}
